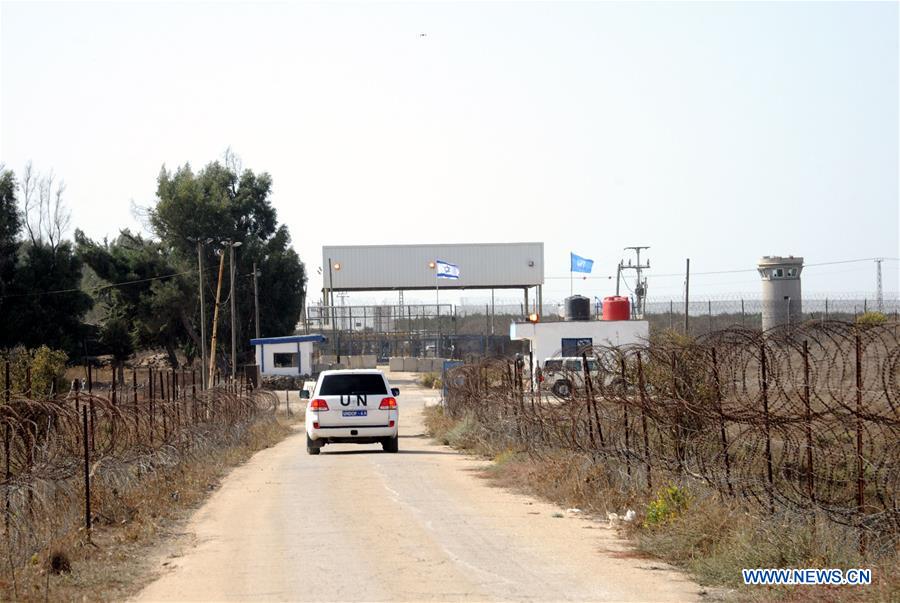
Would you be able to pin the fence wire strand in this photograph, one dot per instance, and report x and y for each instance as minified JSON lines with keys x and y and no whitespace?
{"x":801,"y":418}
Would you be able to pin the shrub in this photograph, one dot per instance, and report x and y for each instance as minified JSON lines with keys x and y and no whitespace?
{"x":47,"y":366}
{"x":868,"y":319}
{"x":431,"y":381}
{"x":669,"y":504}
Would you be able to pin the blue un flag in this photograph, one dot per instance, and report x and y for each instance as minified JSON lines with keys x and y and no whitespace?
{"x":580,"y":264}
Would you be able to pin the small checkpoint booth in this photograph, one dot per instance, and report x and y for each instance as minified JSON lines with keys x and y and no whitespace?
{"x":291,"y":355}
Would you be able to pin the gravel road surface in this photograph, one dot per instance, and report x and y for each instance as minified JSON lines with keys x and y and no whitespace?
{"x":357,"y":524}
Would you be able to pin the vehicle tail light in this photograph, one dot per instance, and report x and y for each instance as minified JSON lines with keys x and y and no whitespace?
{"x":318,"y":404}
{"x":388,"y":404}
{"x":391,"y":423}
{"x":315,"y":424}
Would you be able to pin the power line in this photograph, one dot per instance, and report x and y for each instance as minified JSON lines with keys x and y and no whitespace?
{"x":98,"y":288}
{"x":754,"y":269}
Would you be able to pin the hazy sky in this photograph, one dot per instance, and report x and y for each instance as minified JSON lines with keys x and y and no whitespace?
{"x":719,"y":132}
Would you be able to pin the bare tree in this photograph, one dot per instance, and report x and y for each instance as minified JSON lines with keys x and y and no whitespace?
{"x":46,"y":216}
{"x":234,"y":164}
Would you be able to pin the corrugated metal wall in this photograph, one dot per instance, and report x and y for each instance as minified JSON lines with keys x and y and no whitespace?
{"x":381,"y":267}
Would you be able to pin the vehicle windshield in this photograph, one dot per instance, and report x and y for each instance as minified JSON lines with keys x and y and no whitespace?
{"x":351,"y":384}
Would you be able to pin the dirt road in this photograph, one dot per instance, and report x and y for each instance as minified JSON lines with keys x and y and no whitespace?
{"x":356,"y":524}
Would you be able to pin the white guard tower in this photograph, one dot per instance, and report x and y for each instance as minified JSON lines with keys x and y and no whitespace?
{"x":781,"y":299}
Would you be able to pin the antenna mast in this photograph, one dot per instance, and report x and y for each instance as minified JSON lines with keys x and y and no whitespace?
{"x":879,"y":290}
{"x":640,"y":282}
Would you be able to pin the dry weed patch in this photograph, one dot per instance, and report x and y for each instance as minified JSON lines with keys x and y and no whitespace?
{"x":114,"y":562}
{"x":691,"y":527}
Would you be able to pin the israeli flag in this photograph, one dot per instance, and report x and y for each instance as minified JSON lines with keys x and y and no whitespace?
{"x":446,"y":270}
{"x":580,"y":264}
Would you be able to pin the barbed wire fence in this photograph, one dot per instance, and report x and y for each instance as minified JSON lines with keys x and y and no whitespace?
{"x":802,"y":419}
{"x":59,"y":455}
{"x":714,"y":312}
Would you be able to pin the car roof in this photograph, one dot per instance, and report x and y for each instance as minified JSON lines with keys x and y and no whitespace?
{"x":353,"y":372}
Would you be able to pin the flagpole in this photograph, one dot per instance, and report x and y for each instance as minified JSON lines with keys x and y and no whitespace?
{"x":437,"y":299}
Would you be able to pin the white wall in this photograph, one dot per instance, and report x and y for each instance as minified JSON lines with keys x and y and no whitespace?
{"x":546,"y":337}
{"x":265,"y":357}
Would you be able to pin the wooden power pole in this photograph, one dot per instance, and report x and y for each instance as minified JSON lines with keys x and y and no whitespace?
{"x":215,"y":325}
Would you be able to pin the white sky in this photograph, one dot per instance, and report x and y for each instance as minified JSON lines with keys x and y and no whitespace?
{"x":719,"y":132}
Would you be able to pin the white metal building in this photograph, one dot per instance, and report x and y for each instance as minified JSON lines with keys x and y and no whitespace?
{"x":291,"y":355}
{"x":554,"y":339}
{"x":393,"y":267}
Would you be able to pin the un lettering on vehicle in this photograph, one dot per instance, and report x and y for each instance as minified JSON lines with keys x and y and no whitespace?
{"x":361,"y":400}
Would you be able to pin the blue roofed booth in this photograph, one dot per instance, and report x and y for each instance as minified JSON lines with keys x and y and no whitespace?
{"x":290,"y":355}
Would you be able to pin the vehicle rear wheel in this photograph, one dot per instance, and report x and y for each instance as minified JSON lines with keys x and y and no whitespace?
{"x":311,"y":446}
{"x":562,"y":388}
{"x":391,"y":444}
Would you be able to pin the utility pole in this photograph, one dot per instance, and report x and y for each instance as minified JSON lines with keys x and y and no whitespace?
{"x":618,"y":277}
{"x":203,"y":360}
{"x":687,"y":292}
{"x":334,"y":335}
{"x":233,"y":317}
{"x":879,"y":290}
{"x":640,"y":287}
{"x":492,"y":311}
{"x":215,"y":326}
{"x":256,"y":300}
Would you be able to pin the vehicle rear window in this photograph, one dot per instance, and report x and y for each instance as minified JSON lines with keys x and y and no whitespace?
{"x":348,"y":385}
{"x":553,"y":365}
{"x":573,"y":365}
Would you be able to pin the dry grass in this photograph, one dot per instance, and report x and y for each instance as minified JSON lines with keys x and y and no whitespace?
{"x":115,"y":563}
{"x":713,"y":539}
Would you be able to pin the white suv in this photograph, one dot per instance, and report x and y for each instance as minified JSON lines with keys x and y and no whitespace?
{"x":351,"y":407}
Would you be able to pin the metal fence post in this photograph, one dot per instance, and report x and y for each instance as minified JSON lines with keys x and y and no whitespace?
{"x":860,"y":476}
{"x":625,"y":418}
{"x":87,"y":474}
{"x":137,"y":421}
{"x":810,"y":485}
{"x":723,"y":435}
{"x":643,"y":394}
{"x":7,"y":437}
{"x":679,"y":425}
{"x":766,"y":425}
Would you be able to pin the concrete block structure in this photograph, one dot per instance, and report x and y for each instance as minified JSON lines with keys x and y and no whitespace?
{"x":556,"y":339}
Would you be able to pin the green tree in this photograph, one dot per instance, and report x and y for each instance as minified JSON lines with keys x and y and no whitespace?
{"x":40,"y":278}
{"x":154,"y":307}
{"x":117,"y":338}
{"x":223,"y":203}
{"x":45,"y":304}
{"x":10,"y":226}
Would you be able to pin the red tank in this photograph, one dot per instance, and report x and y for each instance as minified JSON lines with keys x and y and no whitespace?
{"x":616,"y":307}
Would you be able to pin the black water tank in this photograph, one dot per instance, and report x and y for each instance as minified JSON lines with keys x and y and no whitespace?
{"x":578,"y":307}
